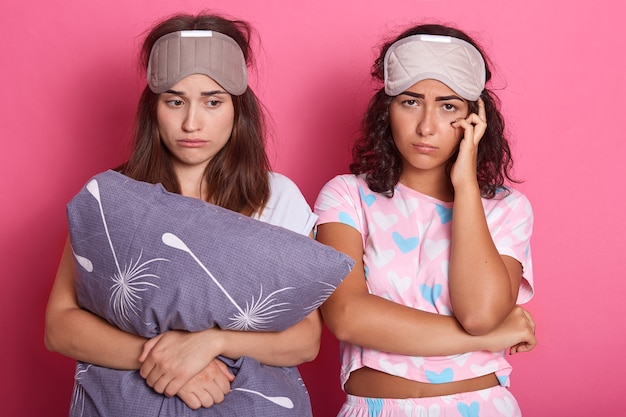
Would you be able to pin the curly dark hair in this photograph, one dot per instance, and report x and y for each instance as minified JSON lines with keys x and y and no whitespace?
{"x":375,"y":154}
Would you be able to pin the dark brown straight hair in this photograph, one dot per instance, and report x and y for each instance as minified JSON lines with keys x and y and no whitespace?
{"x":237,"y":176}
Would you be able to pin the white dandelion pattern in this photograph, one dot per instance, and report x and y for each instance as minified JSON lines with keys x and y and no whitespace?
{"x":78,"y":395}
{"x":322,"y":296}
{"x":257,"y":314}
{"x":284,"y":402}
{"x":127,"y":285}
{"x":129,"y":282}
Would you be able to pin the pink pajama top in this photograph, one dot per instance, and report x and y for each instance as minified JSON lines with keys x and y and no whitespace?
{"x":406,"y":242}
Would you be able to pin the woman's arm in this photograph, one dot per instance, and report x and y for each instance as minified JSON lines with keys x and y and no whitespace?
{"x":173,"y":358}
{"x":294,"y":346}
{"x":483,"y":284}
{"x":81,"y":335}
{"x":208,"y":387}
{"x":356,"y":316}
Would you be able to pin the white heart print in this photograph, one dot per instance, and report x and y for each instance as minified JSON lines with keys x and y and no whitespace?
{"x":504,"y":406}
{"x":434,"y":249}
{"x":384,"y":221}
{"x":488,"y":368}
{"x":401,"y":284}
{"x":407,"y":207}
{"x":381,"y":258}
{"x":398,"y":369}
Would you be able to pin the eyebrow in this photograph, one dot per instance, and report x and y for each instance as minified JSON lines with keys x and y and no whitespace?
{"x":204,"y":93}
{"x":441,"y":98}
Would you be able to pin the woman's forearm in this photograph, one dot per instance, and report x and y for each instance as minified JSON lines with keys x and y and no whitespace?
{"x":81,"y":335}
{"x":173,"y":358}
{"x":391,"y":327}
{"x":298,"y":344}
{"x":358,"y":317}
{"x":482,"y":289}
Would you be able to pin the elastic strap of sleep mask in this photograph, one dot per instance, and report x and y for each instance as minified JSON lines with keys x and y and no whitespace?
{"x":453,"y":61}
{"x":178,"y":54}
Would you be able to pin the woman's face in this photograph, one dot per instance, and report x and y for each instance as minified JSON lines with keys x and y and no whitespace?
{"x":195,"y":119}
{"x":421,"y":120}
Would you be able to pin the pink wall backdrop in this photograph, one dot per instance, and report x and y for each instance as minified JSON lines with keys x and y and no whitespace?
{"x":70,"y":84}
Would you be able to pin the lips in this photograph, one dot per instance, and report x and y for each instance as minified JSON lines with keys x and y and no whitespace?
{"x":424,"y":148}
{"x":191,"y":143}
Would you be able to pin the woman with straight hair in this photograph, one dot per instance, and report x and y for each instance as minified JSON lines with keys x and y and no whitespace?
{"x":200,"y":132}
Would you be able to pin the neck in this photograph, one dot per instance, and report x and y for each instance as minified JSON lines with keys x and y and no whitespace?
{"x":435,"y":184}
{"x":191,"y":181}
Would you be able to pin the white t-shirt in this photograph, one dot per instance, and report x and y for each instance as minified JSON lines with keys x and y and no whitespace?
{"x":287,"y":206}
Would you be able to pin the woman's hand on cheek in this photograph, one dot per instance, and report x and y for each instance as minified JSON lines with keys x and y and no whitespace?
{"x":173,"y":358}
{"x":474,"y":127}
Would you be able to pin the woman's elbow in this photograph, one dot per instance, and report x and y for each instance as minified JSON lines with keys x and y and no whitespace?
{"x":49,"y":339}
{"x":310,"y":352}
{"x":339,"y":324}
{"x":476,"y":327}
{"x":341,"y":332}
{"x":310,"y":337}
{"x":56,"y":335}
{"x":480,"y":323}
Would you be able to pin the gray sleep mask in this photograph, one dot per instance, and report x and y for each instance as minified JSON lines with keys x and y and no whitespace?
{"x":178,"y":54}
{"x":454,"y":62}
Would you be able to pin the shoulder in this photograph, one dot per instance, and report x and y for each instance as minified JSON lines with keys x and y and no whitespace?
{"x":283,"y":191}
{"x":341,"y":200}
{"x":512,"y":193}
{"x":344,"y":184}
{"x":511,"y":199}
{"x":509,"y":209}
{"x":286,"y":206}
{"x":280,"y":183}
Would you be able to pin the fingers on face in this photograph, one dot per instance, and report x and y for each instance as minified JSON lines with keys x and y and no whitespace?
{"x":481,"y":110}
{"x":473,"y":120}
{"x":473,"y":127}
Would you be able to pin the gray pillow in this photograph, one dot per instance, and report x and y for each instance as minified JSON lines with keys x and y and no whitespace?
{"x":149,"y":261}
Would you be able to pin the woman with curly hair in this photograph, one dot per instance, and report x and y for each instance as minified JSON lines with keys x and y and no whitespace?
{"x":441,"y":242}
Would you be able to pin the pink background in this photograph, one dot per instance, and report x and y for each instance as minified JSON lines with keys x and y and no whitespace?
{"x":70,"y":86}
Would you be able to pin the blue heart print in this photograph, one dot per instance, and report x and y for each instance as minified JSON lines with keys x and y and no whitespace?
{"x":445,"y":214}
{"x":431,"y":294}
{"x":471,"y":410}
{"x":447,"y":375}
{"x":369,"y":199}
{"x":346,"y":219}
{"x":374,"y":406}
{"x":502,"y":379}
{"x":405,"y":245}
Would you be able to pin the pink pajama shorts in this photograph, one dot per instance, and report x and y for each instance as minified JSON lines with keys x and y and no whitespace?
{"x":491,"y":402}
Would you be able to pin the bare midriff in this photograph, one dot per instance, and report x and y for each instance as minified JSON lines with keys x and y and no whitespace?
{"x":368,"y":382}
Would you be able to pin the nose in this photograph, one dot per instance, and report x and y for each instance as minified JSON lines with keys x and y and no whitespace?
{"x":192,"y":121}
{"x":427,"y":124}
